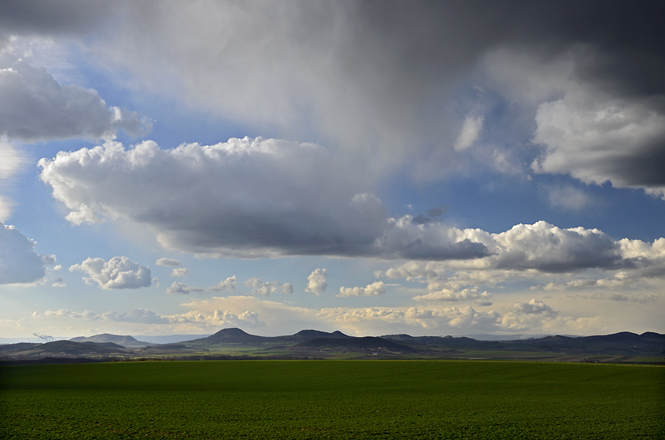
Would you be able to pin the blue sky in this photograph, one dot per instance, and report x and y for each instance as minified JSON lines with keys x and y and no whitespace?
{"x":456,"y":168}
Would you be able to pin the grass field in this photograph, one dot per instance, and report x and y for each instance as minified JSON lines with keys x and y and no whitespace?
{"x":333,"y":399}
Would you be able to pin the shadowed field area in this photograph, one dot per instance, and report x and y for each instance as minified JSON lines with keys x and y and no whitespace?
{"x":333,"y":399}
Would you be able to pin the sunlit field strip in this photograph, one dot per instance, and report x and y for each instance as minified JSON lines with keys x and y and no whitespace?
{"x":333,"y":399}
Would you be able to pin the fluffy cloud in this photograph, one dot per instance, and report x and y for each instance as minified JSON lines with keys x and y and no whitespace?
{"x":374,"y":289}
{"x":405,"y":238}
{"x":541,"y":246}
{"x":19,"y":263}
{"x":33,"y":106}
{"x":272,"y":198}
{"x":266,"y":288}
{"x":117,"y":273}
{"x":646,"y":269}
{"x":179,"y":272}
{"x":533,"y":307}
{"x":227,"y":284}
{"x":533,"y":315}
{"x":601,"y":139}
{"x":547,"y":248}
{"x":316,"y":281}
{"x":577,"y":262}
{"x":594,"y":125}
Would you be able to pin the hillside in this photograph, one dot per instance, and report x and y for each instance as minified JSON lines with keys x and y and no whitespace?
{"x":236,"y":343}
{"x":367,"y":344}
{"x":124,"y":340}
{"x":61,"y":349}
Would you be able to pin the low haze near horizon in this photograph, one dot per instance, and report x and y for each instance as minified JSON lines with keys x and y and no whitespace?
{"x":430,"y":168}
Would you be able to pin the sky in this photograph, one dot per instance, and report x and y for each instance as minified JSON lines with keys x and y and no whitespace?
{"x":374,"y":167}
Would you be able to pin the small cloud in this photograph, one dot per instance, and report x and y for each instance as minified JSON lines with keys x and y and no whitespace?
{"x":264,"y":288}
{"x":227,"y":284}
{"x":168,"y":262}
{"x":180,"y":272}
{"x":374,"y":289}
{"x":470,"y":132}
{"x":533,"y":307}
{"x":568,"y":198}
{"x":58,"y":282}
{"x":178,"y":288}
{"x":316,"y":281}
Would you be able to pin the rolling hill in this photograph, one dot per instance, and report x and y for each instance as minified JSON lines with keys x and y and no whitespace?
{"x":236,"y":343}
{"x":61,"y":349}
{"x":125,"y":341}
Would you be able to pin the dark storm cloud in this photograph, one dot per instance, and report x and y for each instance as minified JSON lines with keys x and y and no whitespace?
{"x":383,"y":79}
{"x":50,"y":18}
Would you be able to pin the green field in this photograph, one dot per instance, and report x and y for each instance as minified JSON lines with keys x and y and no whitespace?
{"x":333,"y":399}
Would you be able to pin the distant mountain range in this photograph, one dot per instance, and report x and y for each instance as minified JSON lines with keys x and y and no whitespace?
{"x":125,"y":341}
{"x":236,"y":343}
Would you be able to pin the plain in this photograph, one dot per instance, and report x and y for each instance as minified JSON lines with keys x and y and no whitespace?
{"x":333,"y":399}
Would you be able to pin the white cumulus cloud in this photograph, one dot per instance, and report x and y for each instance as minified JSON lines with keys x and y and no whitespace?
{"x":227,"y":284}
{"x":117,"y":273}
{"x":179,"y":272}
{"x":374,"y":289}
{"x":316,"y":281}
{"x":264,"y":288}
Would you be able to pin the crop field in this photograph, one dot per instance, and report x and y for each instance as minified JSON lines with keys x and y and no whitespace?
{"x":332,"y":399}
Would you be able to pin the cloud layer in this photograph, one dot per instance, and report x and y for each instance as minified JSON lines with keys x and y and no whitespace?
{"x":393,"y":84}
